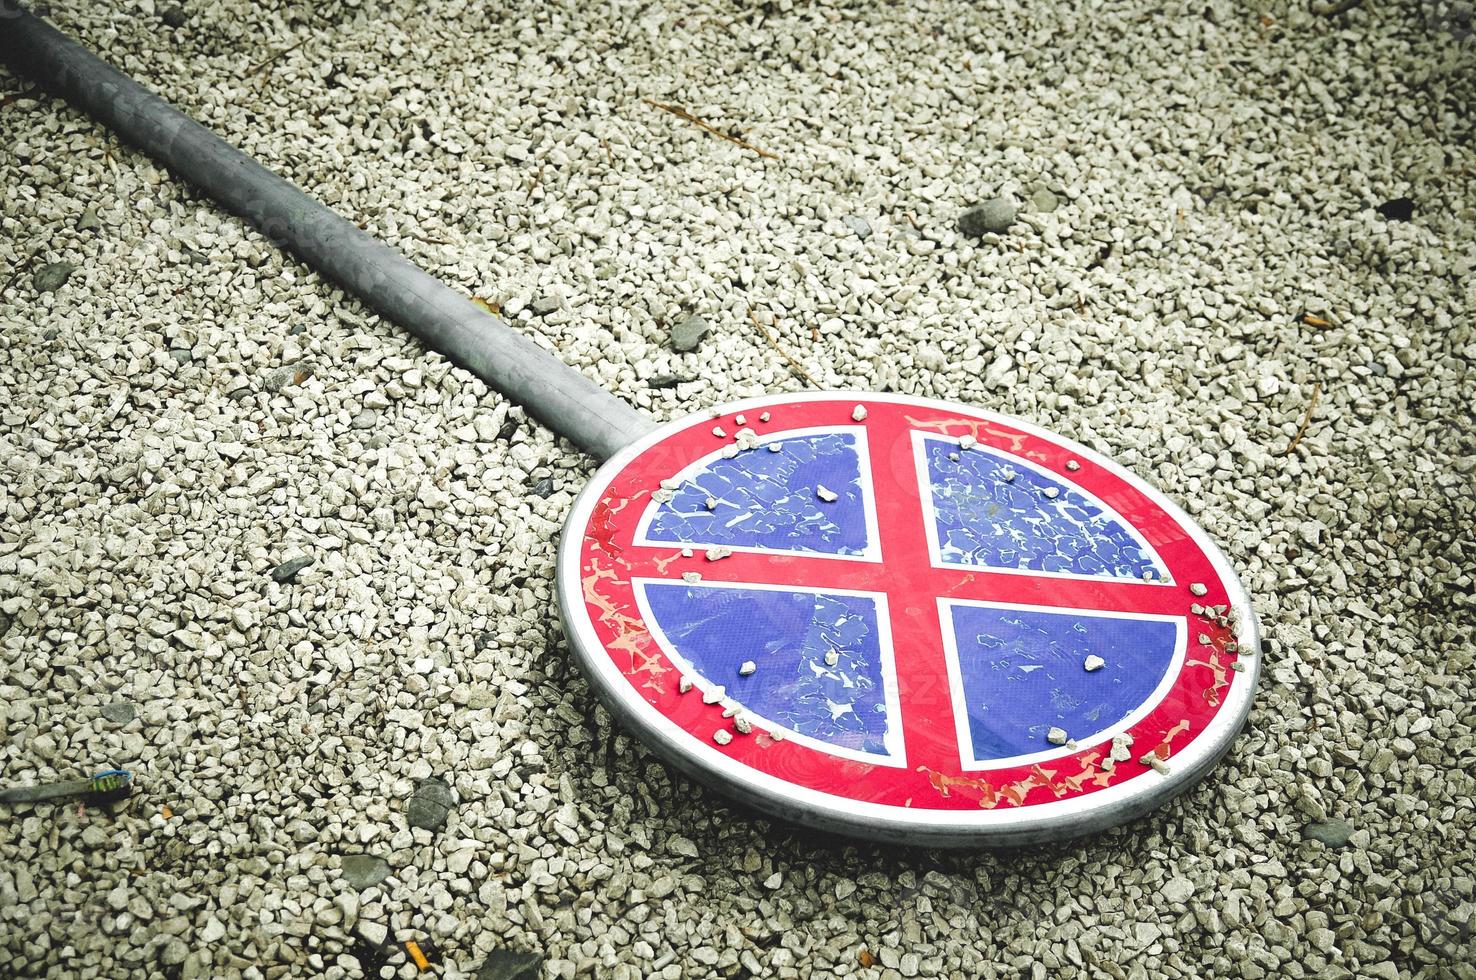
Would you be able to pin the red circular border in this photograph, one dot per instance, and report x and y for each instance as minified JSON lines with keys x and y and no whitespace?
{"x":607,"y":558}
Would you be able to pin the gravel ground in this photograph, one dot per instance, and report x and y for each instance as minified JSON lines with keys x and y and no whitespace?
{"x":1200,"y":264}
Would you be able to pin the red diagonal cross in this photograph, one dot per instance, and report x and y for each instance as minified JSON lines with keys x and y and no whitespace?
{"x":913,"y":585}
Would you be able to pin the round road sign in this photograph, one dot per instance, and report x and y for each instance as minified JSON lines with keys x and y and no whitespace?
{"x":906,"y":620}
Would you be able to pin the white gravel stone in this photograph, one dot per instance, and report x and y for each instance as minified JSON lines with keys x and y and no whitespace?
{"x":722,"y":736}
{"x":1093,"y":662}
{"x":1056,"y":736}
{"x":186,"y":409}
{"x":826,"y":494}
{"x":747,"y":667}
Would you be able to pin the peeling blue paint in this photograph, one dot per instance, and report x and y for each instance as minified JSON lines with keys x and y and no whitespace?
{"x":787,"y":634}
{"x":767,"y":499}
{"x":1022,"y":673}
{"x":995,"y":513}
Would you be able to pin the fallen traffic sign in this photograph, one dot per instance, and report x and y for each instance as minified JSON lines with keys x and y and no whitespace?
{"x":906,"y":620}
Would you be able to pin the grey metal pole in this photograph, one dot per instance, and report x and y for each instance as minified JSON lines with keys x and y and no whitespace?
{"x":444,"y":320}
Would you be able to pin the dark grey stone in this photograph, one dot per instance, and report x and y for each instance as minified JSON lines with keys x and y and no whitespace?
{"x":544,"y":305}
{"x":288,"y":570}
{"x":668,"y":380}
{"x":1332,"y":832}
{"x":508,"y":964}
{"x":364,"y":870}
{"x":544,"y":487}
{"x":89,"y":221}
{"x":429,"y":804}
{"x":4,"y":622}
{"x":992,"y":217}
{"x":367,"y":419}
{"x":687,"y":333}
{"x":857,"y":225}
{"x":182,"y":356}
{"x":174,"y":16}
{"x":50,"y":277}
{"x":119,"y":712}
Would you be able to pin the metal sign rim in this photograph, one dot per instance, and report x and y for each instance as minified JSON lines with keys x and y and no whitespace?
{"x":1054,"y":820}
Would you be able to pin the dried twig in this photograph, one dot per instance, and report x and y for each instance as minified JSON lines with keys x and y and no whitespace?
{"x":263,"y":65}
{"x":681,"y":113}
{"x":1306,"y":420}
{"x":794,"y":366}
{"x":537,"y":179}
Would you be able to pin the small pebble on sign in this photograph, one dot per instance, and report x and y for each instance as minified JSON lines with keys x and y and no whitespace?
{"x":858,"y":413}
{"x":710,"y":503}
{"x":741,"y":420}
{"x":684,"y":685}
{"x":764,"y":417}
{"x":1050,"y":493}
{"x":1073,"y":465}
{"x":691,"y":578}
{"x":1197,"y":588}
{"x":831,"y":658}
{"x":826,"y":494}
{"x":742,"y":725}
{"x":1094,"y":662}
{"x":686,"y":552}
{"x":715,"y":554}
{"x":722,"y":736}
{"x":967,"y":442}
{"x":747,"y":667}
{"x":671,"y":483}
{"x":1007,"y":474}
{"x":774,"y":447}
{"x":954,"y":457}
{"x":714,"y":694}
{"x":717,"y":430}
{"x":1056,"y":736}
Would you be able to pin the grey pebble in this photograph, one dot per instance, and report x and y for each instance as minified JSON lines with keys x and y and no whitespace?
{"x":174,"y":16}
{"x":276,"y":380}
{"x":1043,"y":200}
{"x":993,"y":216}
{"x":89,"y":221}
{"x":367,"y":419}
{"x":857,"y":225}
{"x":545,"y":487}
{"x":119,"y":712}
{"x":288,"y":570}
{"x":687,"y":333}
{"x":364,"y":870}
{"x":668,"y":380}
{"x":50,"y":277}
{"x":429,"y":805}
{"x":1332,"y":832}
{"x":182,"y":355}
{"x":544,"y":305}
{"x":507,"y":964}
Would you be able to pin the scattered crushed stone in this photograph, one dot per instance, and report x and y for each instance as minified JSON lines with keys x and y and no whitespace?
{"x":1210,"y":281}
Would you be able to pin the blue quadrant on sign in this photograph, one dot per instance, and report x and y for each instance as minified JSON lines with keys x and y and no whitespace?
{"x":768,"y":500}
{"x":1020,"y":672}
{"x":787,"y":633}
{"x":992,"y":512}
